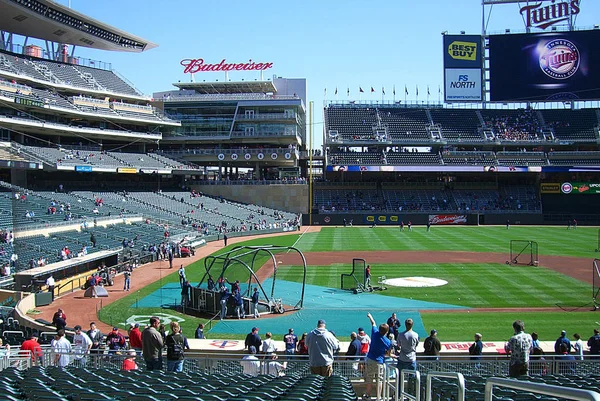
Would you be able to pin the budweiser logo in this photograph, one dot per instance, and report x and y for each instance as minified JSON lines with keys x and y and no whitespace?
{"x":448,"y":219}
{"x":194,"y":65}
{"x":542,"y":16}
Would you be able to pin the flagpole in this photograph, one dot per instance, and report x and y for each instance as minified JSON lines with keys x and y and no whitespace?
{"x":405,"y":93}
{"x":394,"y":94}
{"x":439,"y":94}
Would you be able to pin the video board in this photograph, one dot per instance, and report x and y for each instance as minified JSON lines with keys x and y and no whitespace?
{"x":555,"y":66}
{"x":462,"y":68}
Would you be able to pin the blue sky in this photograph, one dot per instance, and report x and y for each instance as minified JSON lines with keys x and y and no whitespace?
{"x":343,"y":44}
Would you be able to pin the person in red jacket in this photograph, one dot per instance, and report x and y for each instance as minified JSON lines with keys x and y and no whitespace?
{"x":135,"y":339}
{"x":32,"y":345}
{"x":129,"y":362}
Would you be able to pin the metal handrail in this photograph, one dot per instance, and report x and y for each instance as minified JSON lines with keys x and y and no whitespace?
{"x":401,"y":394}
{"x":538,"y":388}
{"x":448,"y":375}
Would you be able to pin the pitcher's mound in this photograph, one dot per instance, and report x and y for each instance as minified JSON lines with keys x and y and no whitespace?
{"x":414,"y":282}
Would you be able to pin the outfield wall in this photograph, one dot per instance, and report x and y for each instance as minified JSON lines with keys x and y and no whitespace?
{"x":420,"y":219}
{"x":289,"y":197}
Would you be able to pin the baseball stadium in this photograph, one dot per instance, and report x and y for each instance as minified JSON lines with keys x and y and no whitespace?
{"x":215,"y":252}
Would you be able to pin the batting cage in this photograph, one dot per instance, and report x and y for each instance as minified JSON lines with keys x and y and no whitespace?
{"x":249,"y":268}
{"x":523,"y":252}
{"x":355,"y":280}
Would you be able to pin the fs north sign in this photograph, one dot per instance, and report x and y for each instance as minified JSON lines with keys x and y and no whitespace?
{"x":544,"y":14}
{"x":194,"y":65}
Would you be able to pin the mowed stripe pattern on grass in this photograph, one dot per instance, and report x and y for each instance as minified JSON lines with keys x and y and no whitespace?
{"x":551,"y":240}
{"x":486,"y":285}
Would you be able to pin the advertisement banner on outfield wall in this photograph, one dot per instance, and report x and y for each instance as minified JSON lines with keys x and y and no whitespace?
{"x":582,"y":188}
{"x":381,"y":219}
{"x":447,"y":219}
{"x":463,"y":85}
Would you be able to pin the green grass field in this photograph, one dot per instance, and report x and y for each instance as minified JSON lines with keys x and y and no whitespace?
{"x":471,"y":285}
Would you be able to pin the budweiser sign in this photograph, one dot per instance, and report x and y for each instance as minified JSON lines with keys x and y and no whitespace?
{"x":542,"y":14}
{"x":447,"y":219}
{"x":194,"y":65}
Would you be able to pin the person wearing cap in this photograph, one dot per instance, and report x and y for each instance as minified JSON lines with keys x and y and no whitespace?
{"x":432,"y":346}
{"x":81,"y":346}
{"x":135,"y":338}
{"x":32,"y":347}
{"x":365,"y":342}
{"x":254,"y":303}
{"x":519,"y":346}
{"x":152,"y":345}
{"x":594,"y":344}
{"x":321,"y":344}
{"x":129,"y":361}
{"x":408,"y":342}
{"x":271,"y":366}
{"x":563,"y":339}
{"x":353,"y":352}
{"x":115,"y":340}
{"x":253,"y":339}
{"x":250,"y":363}
{"x":394,"y":324}
{"x":380,"y":344}
{"x":291,"y":341}
{"x":476,"y":349}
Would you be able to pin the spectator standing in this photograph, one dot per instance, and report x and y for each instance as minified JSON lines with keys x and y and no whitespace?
{"x":250,"y":363}
{"x":61,"y":347}
{"x":59,"y":319}
{"x":302,"y":349}
{"x":200,"y":332}
{"x":32,"y":345}
{"x":127,"y":278}
{"x":353,"y":352}
{"x":476,"y":349}
{"x":578,"y":347}
{"x":255,"y":296}
{"x":51,"y":283}
{"x":365,"y":341}
{"x":115,"y":340}
{"x":291,"y":342}
{"x":82,"y":345}
{"x":408,"y":341}
{"x":253,"y":339}
{"x":135,"y":338}
{"x":321,"y":344}
{"x":96,"y":336}
{"x":519,"y":346}
{"x":268,"y":345}
{"x":594,"y":344}
{"x":380,"y":344}
{"x":152,"y":345}
{"x":93,"y":240}
{"x":432,"y":346}
{"x":563,"y":339}
{"x":176,"y":344}
{"x":182,"y":278}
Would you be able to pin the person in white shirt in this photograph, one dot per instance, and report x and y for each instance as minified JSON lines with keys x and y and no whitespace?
{"x":61,"y":347}
{"x":577,"y":346}
{"x":268,"y":345}
{"x":81,"y":346}
{"x":250,"y":363}
{"x":273,"y":367}
{"x":50,"y":283}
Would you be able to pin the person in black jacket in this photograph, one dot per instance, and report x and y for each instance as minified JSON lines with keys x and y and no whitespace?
{"x":176,"y":344}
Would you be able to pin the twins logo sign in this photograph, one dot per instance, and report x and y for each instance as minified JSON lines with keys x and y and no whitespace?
{"x":559,"y":59}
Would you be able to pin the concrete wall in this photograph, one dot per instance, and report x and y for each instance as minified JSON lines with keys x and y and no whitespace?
{"x":286,"y":197}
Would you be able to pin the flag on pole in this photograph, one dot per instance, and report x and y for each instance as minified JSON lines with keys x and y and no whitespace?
{"x":405,"y":90}
{"x":394,"y":90}
{"x":428,"y":91}
{"x":348,"y":92}
{"x":325,"y":92}
{"x":439,"y":90}
{"x":383,"y":90}
{"x":417,"y":90}
{"x":361,"y":90}
{"x":372,"y":89}
{"x":336,"y":90}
